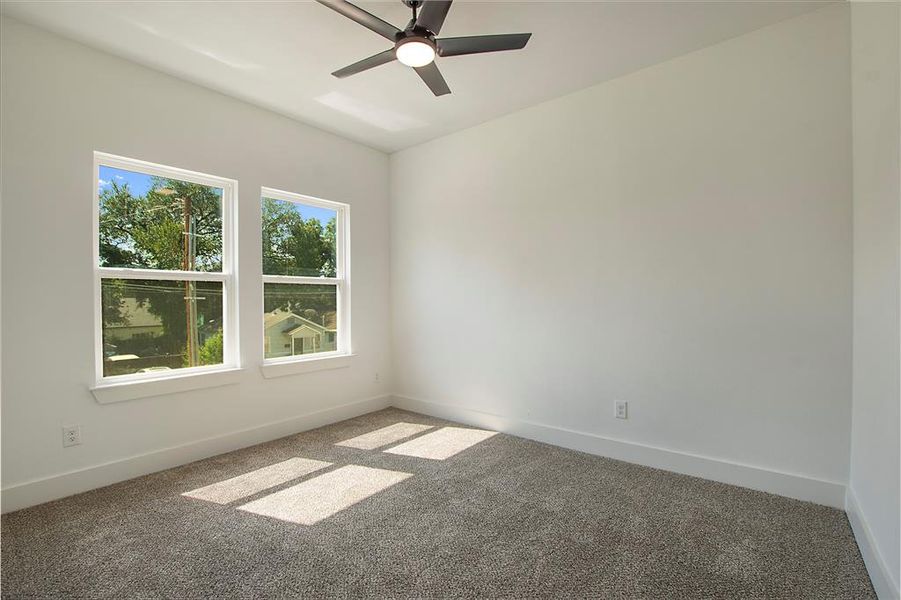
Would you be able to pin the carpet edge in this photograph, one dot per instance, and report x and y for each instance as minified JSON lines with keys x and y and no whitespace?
{"x":798,"y":487}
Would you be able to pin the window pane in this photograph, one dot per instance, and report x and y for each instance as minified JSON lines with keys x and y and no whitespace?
{"x":160,"y":325}
{"x":150,"y":222}
{"x":298,"y":239}
{"x":299,"y":319}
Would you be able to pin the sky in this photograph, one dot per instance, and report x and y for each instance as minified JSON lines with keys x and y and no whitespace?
{"x":310,"y":212}
{"x":139,"y":184}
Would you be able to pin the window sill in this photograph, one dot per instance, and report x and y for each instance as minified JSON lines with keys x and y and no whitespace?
{"x":108,"y":393}
{"x":305,"y":365}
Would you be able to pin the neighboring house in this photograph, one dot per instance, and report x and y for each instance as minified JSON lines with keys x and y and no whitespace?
{"x":289,"y":334}
{"x":137,"y":320}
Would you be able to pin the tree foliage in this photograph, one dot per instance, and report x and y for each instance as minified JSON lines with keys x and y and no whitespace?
{"x":312,"y":302}
{"x":294,"y":246}
{"x":148,"y":232}
{"x":211,"y":351}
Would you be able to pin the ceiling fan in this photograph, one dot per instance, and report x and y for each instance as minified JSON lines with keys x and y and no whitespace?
{"x":417,"y":45}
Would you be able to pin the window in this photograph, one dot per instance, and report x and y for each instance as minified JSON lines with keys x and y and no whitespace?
{"x":306,"y":288}
{"x":164,"y":271}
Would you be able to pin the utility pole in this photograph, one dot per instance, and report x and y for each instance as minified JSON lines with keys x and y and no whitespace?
{"x":193,"y":342}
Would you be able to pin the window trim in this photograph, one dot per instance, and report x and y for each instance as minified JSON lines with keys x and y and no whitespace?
{"x":108,"y":393}
{"x":341,"y":281}
{"x":231,"y":353}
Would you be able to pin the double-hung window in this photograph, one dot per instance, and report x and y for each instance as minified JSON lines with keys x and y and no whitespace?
{"x":306,"y":288}
{"x":164,"y":268}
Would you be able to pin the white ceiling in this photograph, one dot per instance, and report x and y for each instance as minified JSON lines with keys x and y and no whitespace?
{"x":279,"y":55}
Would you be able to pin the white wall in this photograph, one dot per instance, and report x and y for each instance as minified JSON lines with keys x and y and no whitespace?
{"x":60,"y":102}
{"x":679,"y":238}
{"x":873,"y":497}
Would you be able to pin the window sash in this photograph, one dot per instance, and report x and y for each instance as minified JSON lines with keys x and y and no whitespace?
{"x":341,"y":281}
{"x":161,"y":274}
{"x":227,"y":276}
{"x":302,"y":280}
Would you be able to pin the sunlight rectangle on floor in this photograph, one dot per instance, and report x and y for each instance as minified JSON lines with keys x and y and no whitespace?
{"x":313,"y":500}
{"x":443,"y":443}
{"x":384,"y":436}
{"x":256,"y":481}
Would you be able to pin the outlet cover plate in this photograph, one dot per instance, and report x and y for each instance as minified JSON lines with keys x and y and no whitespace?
{"x":71,"y":435}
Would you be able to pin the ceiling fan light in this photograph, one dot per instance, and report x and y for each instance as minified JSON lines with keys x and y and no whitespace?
{"x":415,"y":52}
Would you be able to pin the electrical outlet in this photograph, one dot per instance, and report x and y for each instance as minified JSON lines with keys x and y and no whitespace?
{"x":622,"y":410}
{"x":71,"y":435}
{"x":376,"y":377}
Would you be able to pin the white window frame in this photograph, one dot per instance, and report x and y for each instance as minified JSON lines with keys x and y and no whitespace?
{"x":341,"y":281}
{"x":228,"y":277}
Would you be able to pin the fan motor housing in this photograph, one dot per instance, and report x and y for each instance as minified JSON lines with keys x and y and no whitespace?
{"x":415,"y":36}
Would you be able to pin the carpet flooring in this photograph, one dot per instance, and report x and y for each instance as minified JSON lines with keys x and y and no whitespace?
{"x":498,"y":516}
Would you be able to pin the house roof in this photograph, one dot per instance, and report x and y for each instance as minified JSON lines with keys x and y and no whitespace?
{"x":306,"y":325}
{"x":329,"y":320}
{"x":276,"y":317}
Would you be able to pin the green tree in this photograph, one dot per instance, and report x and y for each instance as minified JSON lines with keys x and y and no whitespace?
{"x":330,"y":241}
{"x":294,"y":246}
{"x":211,"y":351}
{"x":111,"y":295}
{"x":279,"y":221}
{"x":149,"y":231}
{"x":299,"y":299}
{"x":307,"y":248}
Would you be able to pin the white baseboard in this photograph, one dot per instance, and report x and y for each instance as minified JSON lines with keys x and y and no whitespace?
{"x":800,"y":487}
{"x":877,"y":566}
{"x":785,"y":484}
{"x":58,"y":486}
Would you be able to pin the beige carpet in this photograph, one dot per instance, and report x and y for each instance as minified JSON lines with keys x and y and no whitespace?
{"x":379,"y":507}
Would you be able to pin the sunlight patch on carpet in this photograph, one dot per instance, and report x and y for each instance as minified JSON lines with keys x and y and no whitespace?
{"x":384,"y":436}
{"x":318,"y":498}
{"x":256,"y":481}
{"x":442,"y":444}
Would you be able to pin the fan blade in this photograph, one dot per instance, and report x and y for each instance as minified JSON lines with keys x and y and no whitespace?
{"x":432,"y":14}
{"x":367,"y":20}
{"x":477,"y":44}
{"x":367,"y":63}
{"x":432,"y":78}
